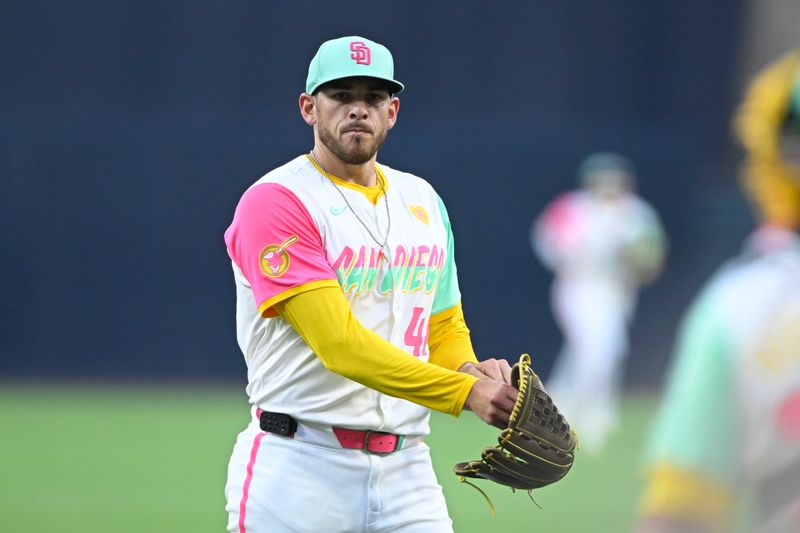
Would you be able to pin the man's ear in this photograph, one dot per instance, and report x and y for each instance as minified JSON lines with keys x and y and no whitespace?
{"x":394,"y":109}
{"x":308,"y":108}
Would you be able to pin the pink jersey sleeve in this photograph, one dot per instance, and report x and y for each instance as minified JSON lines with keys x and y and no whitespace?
{"x":562,"y":222}
{"x":277,"y":246}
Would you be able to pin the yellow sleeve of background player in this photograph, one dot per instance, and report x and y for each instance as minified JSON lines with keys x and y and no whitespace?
{"x":685,"y":500}
{"x":323,"y":319}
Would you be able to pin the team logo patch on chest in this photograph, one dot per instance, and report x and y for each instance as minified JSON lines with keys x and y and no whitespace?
{"x":420,"y":212}
{"x":274,"y":259}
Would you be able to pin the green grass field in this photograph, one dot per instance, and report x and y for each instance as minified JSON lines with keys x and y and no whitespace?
{"x":124,"y":458}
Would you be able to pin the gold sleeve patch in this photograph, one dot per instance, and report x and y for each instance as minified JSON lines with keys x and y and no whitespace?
{"x":420,"y":212}
{"x":274,"y":260}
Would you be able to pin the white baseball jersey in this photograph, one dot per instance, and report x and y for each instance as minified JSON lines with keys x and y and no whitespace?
{"x":293,"y":231}
{"x":583,"y":237}
{"x":732,"y":411}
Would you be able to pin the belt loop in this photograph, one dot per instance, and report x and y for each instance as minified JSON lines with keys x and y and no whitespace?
{"x":365,"y":444}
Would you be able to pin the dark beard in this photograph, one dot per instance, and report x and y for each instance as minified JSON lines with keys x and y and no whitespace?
{"x":358,"y":155}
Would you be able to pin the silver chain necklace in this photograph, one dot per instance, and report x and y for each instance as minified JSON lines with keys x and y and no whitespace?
{"x":341,"y":193}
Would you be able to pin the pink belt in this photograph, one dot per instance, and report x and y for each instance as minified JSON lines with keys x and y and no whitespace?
{"x":369,"y":441}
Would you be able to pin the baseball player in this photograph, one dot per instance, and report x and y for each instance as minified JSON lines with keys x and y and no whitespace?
{"x":349,"y":317}
{"x":729,"y":424}
{"x":603,"y":242}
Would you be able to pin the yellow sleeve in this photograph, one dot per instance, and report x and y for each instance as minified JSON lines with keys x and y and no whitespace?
{"x":449,"y":342}
{"x":685,"y":497}
{"x":323,"y":319}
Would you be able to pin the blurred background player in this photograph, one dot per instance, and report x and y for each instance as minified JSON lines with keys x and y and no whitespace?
{"x":729,"y":424}
{"x":602,"y":242}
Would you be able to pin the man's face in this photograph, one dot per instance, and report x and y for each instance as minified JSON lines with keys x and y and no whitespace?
{"x":353,"y":116}
{"x":610,"y":183}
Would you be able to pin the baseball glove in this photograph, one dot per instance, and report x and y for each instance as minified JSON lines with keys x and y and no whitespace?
{"x":536,"y":449}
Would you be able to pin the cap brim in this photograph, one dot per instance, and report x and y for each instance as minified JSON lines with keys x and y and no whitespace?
{"x":393,"y":86}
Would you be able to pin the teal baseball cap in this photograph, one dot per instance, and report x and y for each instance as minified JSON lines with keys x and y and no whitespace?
{"x":346,"y":57}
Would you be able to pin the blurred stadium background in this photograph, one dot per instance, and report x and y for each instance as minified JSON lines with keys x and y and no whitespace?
{"x":130,"y":129}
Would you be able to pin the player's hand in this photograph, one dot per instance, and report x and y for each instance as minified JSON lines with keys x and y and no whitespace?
{"x":492,"y":401}
{"x":496,"y":369}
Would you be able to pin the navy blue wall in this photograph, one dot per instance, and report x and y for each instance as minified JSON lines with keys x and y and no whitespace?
{"x":130,"y":129}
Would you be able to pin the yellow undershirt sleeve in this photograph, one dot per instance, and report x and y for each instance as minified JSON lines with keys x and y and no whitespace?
{"x":323,"y":319}
{"x":449,"y":341}
{"x":684,"y":496}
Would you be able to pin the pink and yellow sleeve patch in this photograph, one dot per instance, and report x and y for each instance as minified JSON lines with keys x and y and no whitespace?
{"x":276,"y":244}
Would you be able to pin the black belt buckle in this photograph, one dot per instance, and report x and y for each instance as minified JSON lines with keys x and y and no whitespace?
{"x":277,"y":423}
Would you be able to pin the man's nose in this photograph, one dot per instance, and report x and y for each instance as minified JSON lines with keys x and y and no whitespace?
{"x":358,"y":110}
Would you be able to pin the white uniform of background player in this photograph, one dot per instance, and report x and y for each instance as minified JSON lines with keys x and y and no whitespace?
{"x":602,"y":242}
{"x":729,"y":423}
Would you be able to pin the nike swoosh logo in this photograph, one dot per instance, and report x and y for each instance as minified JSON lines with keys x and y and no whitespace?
{"x":336,"y":211}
